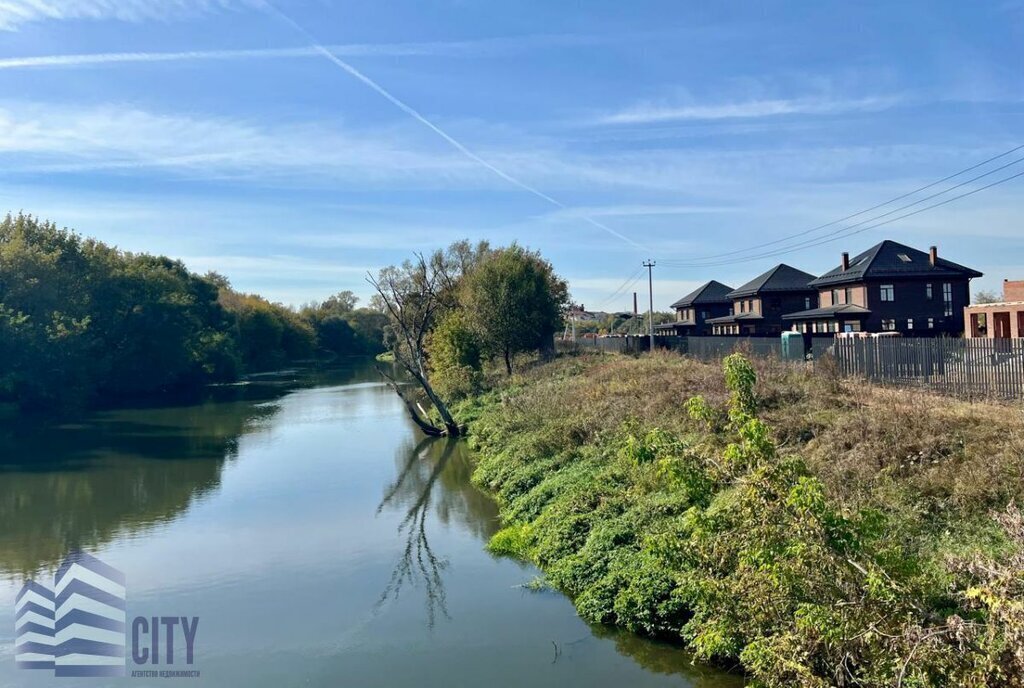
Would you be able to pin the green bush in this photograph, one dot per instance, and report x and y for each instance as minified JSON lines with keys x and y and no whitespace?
{"x":712,"y":534}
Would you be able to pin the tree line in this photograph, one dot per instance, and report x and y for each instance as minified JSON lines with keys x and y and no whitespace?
{"x":460,"y":307}
{"x":83,"y":322}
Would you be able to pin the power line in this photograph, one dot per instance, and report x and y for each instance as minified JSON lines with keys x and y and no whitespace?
{"x":626,"y":284}
{"x":858,"y":231}
{"x":452,"y":141}
{"x":845,"y":231}
{"x":874,"y":207}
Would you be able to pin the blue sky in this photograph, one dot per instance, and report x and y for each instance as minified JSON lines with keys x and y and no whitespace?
{"x":601,"y":133}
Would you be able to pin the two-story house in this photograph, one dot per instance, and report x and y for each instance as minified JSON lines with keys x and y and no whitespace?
{"x":709,"y":300}
{"x":890,"y":288}
{"x":759,"y":305}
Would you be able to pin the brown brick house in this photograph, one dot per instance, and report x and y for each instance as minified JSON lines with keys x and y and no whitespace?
{"x":709,"y":300}
{"x":890,"y":287}
{"x":758,"y":306}
{"x":1004,"y":320}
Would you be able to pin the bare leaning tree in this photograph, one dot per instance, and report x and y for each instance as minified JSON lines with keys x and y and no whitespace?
{"x":414,"y":295}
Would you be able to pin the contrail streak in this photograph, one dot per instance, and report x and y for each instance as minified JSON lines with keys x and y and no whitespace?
{"x":119,"y":58}
{"x":470,"y":48}
{"x":412,"y":112}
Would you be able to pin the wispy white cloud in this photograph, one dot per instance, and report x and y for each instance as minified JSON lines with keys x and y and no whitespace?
{"x":295,"y":267}
{"x":503,"y":45}
{"x":55,"y":137}
{"x":575,"y":212}
{"x":648,"y":112}
{"x":14,"y":13}
{"x":109,"y":137}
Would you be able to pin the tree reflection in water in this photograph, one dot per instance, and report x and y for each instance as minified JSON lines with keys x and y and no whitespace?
{"x":418,"y":562}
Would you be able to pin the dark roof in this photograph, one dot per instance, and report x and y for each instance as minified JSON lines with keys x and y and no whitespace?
{"x":673,"y":325}
{"x":782,"y":277}
{"x":890,"y":259}
{"x":727,"y":319}
{"x":709,"y":292}
{"x":828,"y":312}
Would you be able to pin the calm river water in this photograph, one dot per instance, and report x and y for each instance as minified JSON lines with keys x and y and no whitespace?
{"x":319,"y":539}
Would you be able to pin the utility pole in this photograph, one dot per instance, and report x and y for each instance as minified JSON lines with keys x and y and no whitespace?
{"x":650,"y":291}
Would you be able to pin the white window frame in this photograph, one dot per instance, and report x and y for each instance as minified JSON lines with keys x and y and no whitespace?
{"x":887,"y":292}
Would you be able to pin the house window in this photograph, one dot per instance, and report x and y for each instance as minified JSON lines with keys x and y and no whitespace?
{"x":834,"y":326}
{"x":910,"y":323}
{"x":904,"y":257}
{"x":835,"y":297}
{"x":807,"y":303}
{"x":888,"y":293}
{"x":889,"y":325}
{"x":848,"y":295}
{"x":928,"y":291}
{"x":947,"y":298}
{"x":931,"y":323}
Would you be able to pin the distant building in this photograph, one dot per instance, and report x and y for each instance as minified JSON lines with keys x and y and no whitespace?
{"x":1003,"y":320}
{"x":890,"y":287}
{"x":710,"y":300}
{"x":759,"y":305}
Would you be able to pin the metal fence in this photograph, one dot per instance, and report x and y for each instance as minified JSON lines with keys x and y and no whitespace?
{"x":710,"y":348}
{"x":705,"y":348}
{"x":621,"y":345}
{"x":962,"y":367}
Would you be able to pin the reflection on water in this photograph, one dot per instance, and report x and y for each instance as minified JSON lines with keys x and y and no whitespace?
{"x":320,"y":539}
{"x":415,"y":493}
{"x":80,"y":485}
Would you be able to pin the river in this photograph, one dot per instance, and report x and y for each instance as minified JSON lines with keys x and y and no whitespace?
{"x":317,"y":537}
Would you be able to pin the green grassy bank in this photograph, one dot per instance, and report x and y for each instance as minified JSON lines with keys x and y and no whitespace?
{"x":809,"y":530}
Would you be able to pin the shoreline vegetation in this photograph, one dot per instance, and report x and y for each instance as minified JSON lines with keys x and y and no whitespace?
{"x":773,"y":519}
{"x":84,"y":324}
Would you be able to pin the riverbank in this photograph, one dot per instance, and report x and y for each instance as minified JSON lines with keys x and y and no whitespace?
{"x":812,"y":530}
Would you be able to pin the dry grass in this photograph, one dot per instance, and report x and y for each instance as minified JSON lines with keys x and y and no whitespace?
{"x":860,"y":439}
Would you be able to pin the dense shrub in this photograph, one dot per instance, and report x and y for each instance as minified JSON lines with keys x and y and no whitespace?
{"x":659,"y":495}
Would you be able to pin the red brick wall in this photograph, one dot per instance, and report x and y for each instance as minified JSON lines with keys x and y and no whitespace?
{"x":1013,"y":290}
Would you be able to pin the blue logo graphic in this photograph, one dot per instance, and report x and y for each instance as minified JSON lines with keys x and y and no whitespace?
{"x":77,"y":627}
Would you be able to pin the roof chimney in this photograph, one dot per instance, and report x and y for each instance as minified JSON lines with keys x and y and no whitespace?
{"x":933,"y":255}
{"x":846,"y":261}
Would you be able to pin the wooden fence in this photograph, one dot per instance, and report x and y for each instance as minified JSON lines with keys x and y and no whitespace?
{"x":962,"y":367}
